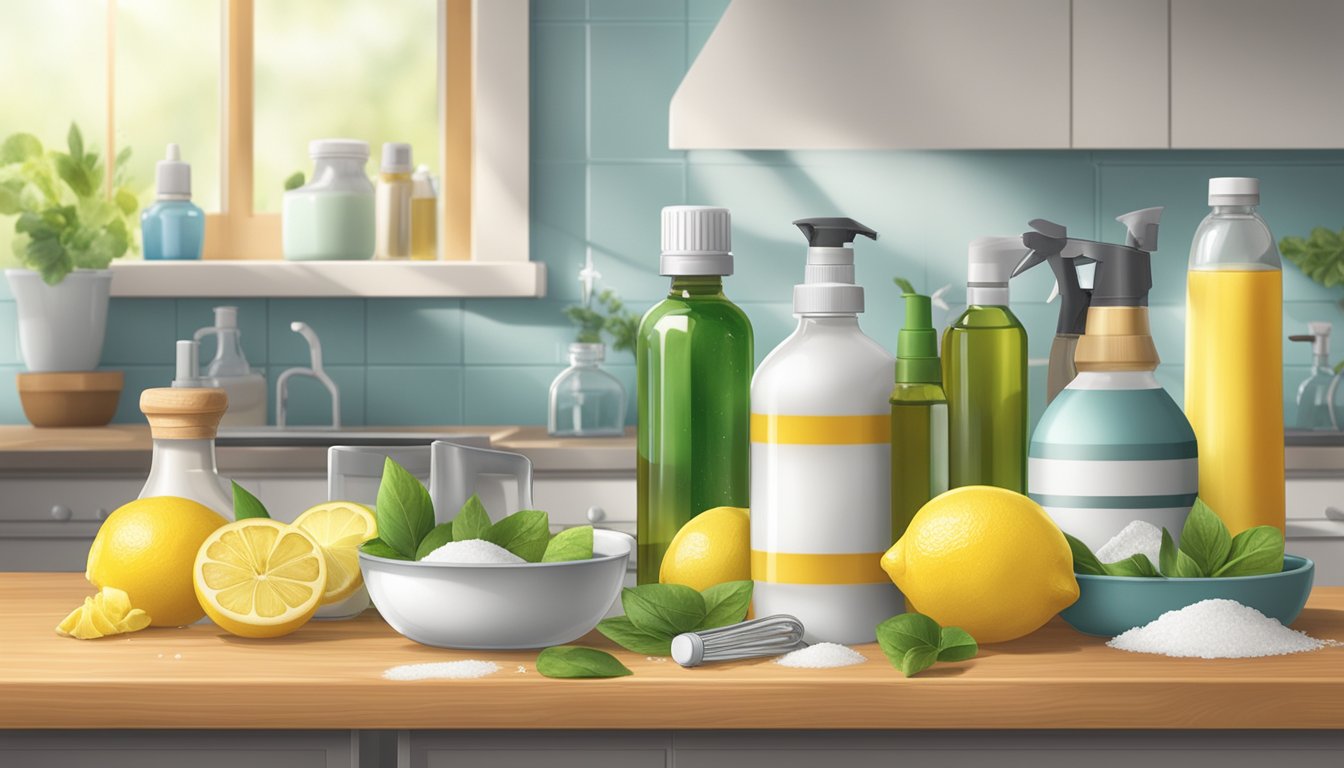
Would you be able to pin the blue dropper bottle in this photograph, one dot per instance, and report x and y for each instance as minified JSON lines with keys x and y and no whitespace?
{"x":173,"y":227}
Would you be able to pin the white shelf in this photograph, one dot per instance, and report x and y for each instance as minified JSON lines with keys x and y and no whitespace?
{"x":317,"y":279}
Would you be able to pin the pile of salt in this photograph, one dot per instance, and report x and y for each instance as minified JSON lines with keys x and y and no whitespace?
{"x":1137,"y":538}
{"x":822,"y":656}
{"x":1216,"y":629}
{"x":472,"y":552}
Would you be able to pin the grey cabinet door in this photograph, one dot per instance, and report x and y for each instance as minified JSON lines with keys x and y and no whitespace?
{"x":174,"y":749}
{"x":523,"y":749}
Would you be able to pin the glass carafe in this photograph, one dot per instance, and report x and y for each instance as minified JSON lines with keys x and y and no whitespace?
{"x":586,"y":400}
{"x":183,"y":423}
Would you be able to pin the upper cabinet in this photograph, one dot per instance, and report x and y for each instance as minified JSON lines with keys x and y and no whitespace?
{"x":1030,"y":74}
{"x":1257,"y":74}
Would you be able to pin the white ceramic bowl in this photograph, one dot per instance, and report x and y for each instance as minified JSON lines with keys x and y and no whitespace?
{"x":499,"y":607}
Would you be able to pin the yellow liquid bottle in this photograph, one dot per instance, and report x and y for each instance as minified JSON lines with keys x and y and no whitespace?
{"x":1234,"y":359}
{"x":424,"y":216}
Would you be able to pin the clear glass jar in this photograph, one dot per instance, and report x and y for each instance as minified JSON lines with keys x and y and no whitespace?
{"x":586,"y":400}
{"x":332,"y":216}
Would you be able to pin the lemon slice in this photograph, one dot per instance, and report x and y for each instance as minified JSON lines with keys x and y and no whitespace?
{"x":339,"y":527}
{"x":259,"y":578}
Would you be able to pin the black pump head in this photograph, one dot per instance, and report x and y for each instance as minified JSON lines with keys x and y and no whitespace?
{"x":832,"y":232}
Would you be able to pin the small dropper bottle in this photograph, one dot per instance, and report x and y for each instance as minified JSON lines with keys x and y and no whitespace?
{"x":918,"y":417}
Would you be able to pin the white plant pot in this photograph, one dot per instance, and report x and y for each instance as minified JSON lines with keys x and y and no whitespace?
{"x":61,"y":327}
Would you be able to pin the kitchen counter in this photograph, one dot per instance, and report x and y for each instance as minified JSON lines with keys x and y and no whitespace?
{"x":328,"y":675}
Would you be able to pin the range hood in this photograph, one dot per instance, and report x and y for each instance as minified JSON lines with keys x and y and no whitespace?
{"x":879,"y":74}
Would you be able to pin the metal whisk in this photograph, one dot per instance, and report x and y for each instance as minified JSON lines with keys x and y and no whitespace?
{"x":769,"y":636}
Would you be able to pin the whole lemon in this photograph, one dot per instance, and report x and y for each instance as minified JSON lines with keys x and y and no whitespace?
{"x":146,"y":549}
{"x":714,"y":547}
{"x":985,"y":559}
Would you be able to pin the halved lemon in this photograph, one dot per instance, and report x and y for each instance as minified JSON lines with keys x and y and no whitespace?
{"x":339,"y":527}
{"x":259,"y":578}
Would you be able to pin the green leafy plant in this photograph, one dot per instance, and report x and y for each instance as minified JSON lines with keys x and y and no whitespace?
{"x":1207,"y":550}
{"x":914,"y":642}
{"x":573,"y":661}
{"x":246,"y":505}
{"x":406,"y":529}
{"x":1320,"y":256}
{"x":656,"y":613}
{"x":65,"y":219}
{"x":606,"y":315}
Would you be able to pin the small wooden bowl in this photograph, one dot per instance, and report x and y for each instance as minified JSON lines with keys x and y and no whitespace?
{"x":74,"y":399}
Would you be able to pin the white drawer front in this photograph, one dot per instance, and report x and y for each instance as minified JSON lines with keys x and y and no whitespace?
{"x":604,"y":502}
{"x":63,"y":500}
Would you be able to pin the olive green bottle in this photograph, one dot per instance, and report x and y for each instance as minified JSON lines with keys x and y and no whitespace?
{"x":693,"y":357}
{"x":918,"y":417}
{"x":985,"y":375}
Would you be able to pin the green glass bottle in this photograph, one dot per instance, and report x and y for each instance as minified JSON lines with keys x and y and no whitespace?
{"x":918,"y":417}
{"x":693,"y":357}
{"x":985,"y":375}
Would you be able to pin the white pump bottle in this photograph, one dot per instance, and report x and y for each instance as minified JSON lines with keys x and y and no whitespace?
{"x":821,"y":455}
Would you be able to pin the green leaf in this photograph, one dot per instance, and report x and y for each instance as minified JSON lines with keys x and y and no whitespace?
{"x":294,"y":181}
{"x":907,"y":287}
{"x":956,"y":644}
{"x":664,"y":609}
{"x":572,"y":661}
{"x":245,"y":505}
{"x":726,"y":603}
{"x":75,"y":141}
{"x":1166,"y":557}
{"x":1204,"y":538}
{"x":472,"y":520}
{"x":1084,"y":561}
{"x":1255,"y":552}
{"x":404,"y":511}
{"x":623,"y":632}
{"x":74,"y":174}
{"x":570,"y":544}
{"x":438,"y":536}
{"x":525,"y":533}
{"x":19,"y":147}
{"x":1134,"y":565}
{"x":51,"y":259}
{"x":379,"y":548}
{"x":916,"y":660}
{"x":904,"y":631}
{"x":1187,"y":568}
{"x":126,"y":201}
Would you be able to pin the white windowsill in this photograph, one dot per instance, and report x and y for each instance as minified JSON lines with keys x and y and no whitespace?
{"x":328,"y":279}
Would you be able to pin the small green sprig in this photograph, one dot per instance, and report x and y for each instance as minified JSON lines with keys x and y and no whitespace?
{"x":1320,"y":256}
{"x":656,"y":613}
{"x":914,"y":642}
{"x":605,"y":315}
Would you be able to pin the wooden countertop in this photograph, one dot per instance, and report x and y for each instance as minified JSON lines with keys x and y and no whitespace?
{"x":329,"y":675}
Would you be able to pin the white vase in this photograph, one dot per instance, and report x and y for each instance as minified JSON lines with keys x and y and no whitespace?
{"x":61,"y":327}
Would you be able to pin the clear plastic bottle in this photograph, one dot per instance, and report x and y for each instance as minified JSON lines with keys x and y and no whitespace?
{"x":393,"y":195}
{"x":1314,"y":394}
{"x":230,"y":371}
{"x":424,"y":215}
{"x":586,"y":400}
{"x":1234,"y":358}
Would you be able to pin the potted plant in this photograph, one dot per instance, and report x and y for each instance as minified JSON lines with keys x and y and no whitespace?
{"x":68,"y":230}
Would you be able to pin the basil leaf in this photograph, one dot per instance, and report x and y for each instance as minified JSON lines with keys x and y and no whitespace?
{"x":1255,"y":552}
{"x":1134,"y":565}
{"x":664,"y":609}
{"x":570,"y":544}
{"x":1205,"y":539}
{"x":472,"y":521}
{"x":917,"y":660}
{"x":908,"y":630}
{"x":623,"y":632}
{"x":438,"y":536}
{"x":379,"y":548}
{"x":1187,"y":568}
{"x":246,"y":505}
{"x":1084,"y":561}
{"x":404,"y":512}
{"x":572,"y":661}
{"x":956,"y":644}
{"x":1166,"y":558}
{"x":525,"y":533}
{"x":726,"y":603}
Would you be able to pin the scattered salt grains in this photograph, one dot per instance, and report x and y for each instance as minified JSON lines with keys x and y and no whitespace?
{"x":822,"y":656}
{"x":521,"y":669}
{"x":444,"y":670}
{"x":1216,"y":629}
{"x":1137,"y":538}
{"x":177,"y":656}
{"x":472,"y":552}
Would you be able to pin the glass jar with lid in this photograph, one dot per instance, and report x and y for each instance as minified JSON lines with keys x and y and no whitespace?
{"x":332,"y":216}
{"x":586,"y":400}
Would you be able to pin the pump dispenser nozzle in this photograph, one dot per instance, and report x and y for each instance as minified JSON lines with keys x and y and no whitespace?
{"x":828,"y":283}
{"x":1047,"y":243}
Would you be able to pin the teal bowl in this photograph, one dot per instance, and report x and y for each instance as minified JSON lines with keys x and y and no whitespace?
{"x":1110,"y":605}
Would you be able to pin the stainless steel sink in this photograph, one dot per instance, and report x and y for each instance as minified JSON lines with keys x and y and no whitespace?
{"x":272,"y":437}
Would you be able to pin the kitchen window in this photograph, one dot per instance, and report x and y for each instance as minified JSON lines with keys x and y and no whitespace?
{"x":243,"y":85}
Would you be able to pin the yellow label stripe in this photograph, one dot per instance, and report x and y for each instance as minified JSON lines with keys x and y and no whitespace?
{"x":789,"y":568}
{"x":820,"y":430}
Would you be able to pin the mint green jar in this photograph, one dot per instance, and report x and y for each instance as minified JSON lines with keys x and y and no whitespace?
{"x":331,"y":217}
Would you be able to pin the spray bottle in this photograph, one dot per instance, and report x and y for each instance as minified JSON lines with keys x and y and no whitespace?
{"x":1074,"y":299}
{"x":821,"y":455}
{"x":918,"y":417}
{"x":1113,"y":447}
{"x":1314,"y":400}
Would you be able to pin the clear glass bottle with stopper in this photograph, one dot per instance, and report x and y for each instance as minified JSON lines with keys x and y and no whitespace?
{"x":183,"y":421}
{"x":586,"y":400}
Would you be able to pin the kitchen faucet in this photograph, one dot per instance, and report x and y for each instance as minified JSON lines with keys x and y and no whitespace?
{"x":315,"y":370}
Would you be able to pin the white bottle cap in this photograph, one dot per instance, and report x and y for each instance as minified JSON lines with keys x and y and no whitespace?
{"x":828,"y":283}
{"x":397,"y":157}
{"x":226,"y":317}
{"x":697,"y":240}
{"x":351,"y":148}
{"x":990,"y":263}
{"x":1234,"y":190}
{"x":1320,"y":343}
{"x":422,"y":183}
{"x":188,"y":364}
{"x":172,"y":176}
